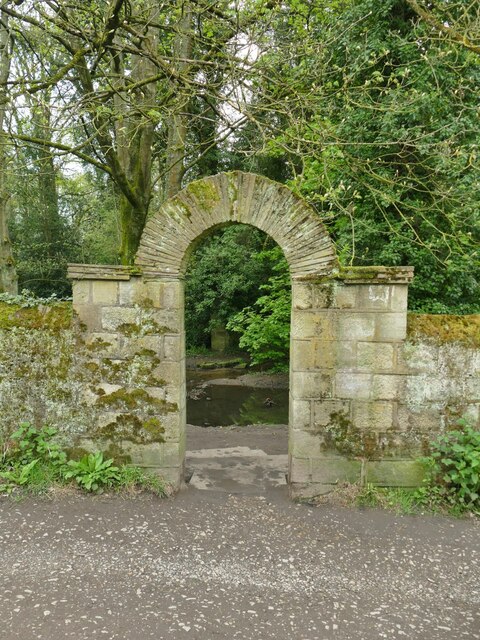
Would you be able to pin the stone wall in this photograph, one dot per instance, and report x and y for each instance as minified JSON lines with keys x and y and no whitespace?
{"x":365,"y":399}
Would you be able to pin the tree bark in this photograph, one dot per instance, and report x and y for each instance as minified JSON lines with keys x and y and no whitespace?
{"x":8,"y":275}
{"x":178,"y":122}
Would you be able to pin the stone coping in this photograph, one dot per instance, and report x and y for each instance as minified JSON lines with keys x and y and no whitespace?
{"x":115,"y":272}
{"x":363,"y":275}
{"x":349,"y":275}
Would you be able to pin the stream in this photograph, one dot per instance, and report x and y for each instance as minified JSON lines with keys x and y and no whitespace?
{"x":223,"y":397}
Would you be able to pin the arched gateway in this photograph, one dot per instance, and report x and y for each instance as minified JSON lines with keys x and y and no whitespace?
{"x":346,"y":377}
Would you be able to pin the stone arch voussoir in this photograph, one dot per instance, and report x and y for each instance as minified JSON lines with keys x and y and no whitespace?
{"x":172,"y":233}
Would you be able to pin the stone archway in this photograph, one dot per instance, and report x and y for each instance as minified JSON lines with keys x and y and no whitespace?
{"x":171,"y":235}
{"x":346,"y":376}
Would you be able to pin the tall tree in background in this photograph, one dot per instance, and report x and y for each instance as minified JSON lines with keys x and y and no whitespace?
{"x":127,"y":76}
{"x":8,"y":277}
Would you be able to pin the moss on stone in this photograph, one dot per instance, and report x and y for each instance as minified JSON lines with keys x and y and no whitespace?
{"x":342,"y":436}
{"x":136,"y":399}
{"x":134,"y":329}
{"x":128,"y":426}
{"x":52,"y":318}
{"x":444,"y":328}
{"x":205,"y":192}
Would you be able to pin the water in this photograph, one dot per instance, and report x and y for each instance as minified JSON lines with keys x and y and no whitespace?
{"x":211,"y":403}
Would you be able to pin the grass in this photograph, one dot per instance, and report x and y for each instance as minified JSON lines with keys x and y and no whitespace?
{"x":405,"y":501}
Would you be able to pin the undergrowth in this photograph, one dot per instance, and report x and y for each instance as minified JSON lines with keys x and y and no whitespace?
{"x":32,"y":462}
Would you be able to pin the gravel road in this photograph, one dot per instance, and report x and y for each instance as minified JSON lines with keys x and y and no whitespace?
{"x":210,"y":564}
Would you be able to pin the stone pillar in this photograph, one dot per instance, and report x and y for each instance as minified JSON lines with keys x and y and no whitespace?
{"x":347,"y":380}
{"x":132,"y":329}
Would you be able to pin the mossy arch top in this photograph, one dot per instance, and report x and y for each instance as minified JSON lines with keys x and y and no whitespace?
{"x":171,"y":234}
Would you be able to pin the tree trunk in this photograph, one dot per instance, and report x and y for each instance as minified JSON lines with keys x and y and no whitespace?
{"x":8,"y":275}
{"x":134,"y":135}
{"x":178,"y":122}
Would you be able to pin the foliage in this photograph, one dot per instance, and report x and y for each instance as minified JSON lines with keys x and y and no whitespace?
{"x":28,"y":300}
{"x":92,"y":472}
{"x":453,"y":469}
{"x":33,"y":460}
{"x":264,"y":327}
{"x":223,"y":277}
{"x":381,"y":135}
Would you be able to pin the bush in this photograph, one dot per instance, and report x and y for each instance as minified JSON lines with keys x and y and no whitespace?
{"x":453,"y":469}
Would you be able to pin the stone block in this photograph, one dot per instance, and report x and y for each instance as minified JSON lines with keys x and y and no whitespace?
{"x":173,"y":454}
{"x":323,"y":296}
{"x":345,"y":354}
{"x":166,"y":320}
{"x":170,"y":373}
{"x":357,"y":386}
{"x":375,"y":356}
{"x":399,"y":298}
{"x":174,"y":347}
{"x":325,"y":354}
{"x":387,"y":387}
{"x":391,"y":327}
{"x":302,"y":444}
{"x":173,"y":476}
{"x":394,"y":473}
{"x":143,"y":455}
{"x":472,"y":414}
{"x":81,"y":291}
{"x":302,"y":354}
{"x":374,"y":297}
{"x":373,"y":416}
{"x":105,"y":292}
{"x":472,"y":389}
{"x":132,"y":292}
{"x":346,"y":296}
{"x":300,"y":414}
{"x":146,"y":343}
{"x":114,"y":317}
{"x":172,"y":294}
{"x":307,"y":384}
{"x":356,"y":326}
{"x":301,"y":295}
{"x":156,"y":392}
{"x":302,"y":492}
{"x":89,"y":315}
{"x":323,"y":411}
{"x":312,"y":324}
{"x":419,"y":357}
{"x":174,"y":427}
{"x":335,"y":470}
{"x":425,"y":418}
{"x":299,"y":470}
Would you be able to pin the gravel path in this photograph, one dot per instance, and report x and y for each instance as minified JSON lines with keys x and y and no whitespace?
{"x":213,"y":565}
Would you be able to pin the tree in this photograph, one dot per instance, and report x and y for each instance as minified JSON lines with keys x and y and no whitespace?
{"x":125,"y":81}
{"x":381,"y":137}
{"x":458,"y":21}
{"x":8,"y":277}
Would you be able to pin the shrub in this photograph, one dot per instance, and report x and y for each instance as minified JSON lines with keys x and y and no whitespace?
{"x":454,"y":469}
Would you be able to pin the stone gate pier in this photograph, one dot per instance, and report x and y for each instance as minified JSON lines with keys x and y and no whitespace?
{"x":350,"y":381}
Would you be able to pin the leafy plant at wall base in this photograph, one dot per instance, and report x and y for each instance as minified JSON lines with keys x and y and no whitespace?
{"x":28,"y":443}
{"x":92,"y":472}
{"x":454,"y":469}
